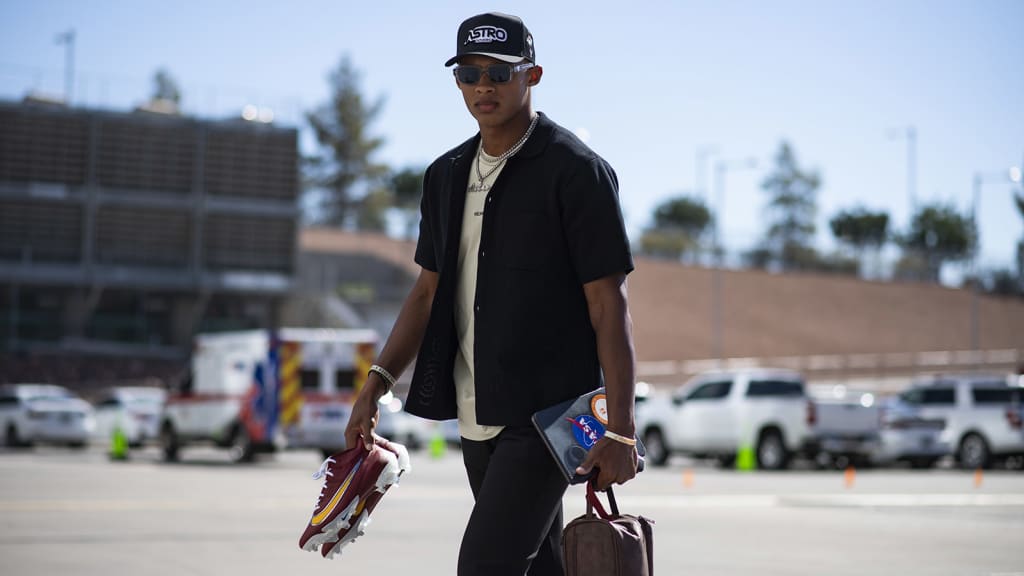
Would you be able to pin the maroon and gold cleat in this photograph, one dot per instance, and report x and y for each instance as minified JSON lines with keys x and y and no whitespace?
{"x":350,"y":477}
{"x":361,"y":519}
{"x":354,"y":481}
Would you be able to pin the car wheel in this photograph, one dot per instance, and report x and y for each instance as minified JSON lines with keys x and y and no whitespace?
{"x":413,"y":443}
{"x":654,"y":443}
{"x":11,"y":437}
{"x":725,"y":461}
{"x":241,"y":449}
{"x":922,"y":463}
{"x":169,"y":443}
{"x":771,"y":452}
{"x":974,"y":452}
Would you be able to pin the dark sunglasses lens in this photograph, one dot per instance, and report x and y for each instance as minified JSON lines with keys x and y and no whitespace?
{"x":500,"y":73}
{"x":468,"y":74}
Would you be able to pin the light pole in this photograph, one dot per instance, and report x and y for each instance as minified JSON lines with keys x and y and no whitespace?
{"x":68,"y":40}
{"x":909,"y":134}
{"x":722,"y":167}
{"x":700,"y":177}
{"x":701,"y":160}
{"x":1012,"y":175}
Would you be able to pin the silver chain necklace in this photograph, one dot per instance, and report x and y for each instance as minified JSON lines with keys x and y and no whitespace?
{"x":479,"y":186}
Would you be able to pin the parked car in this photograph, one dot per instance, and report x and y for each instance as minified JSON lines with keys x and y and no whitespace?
{"x":38,"y":413}
{"x":978,"y":416}
{"x":400,"y":426}
{"x":844,"y":428}
{"x":910,"y":434}
{"x":136,"y":409}
{"x":716,"y":414}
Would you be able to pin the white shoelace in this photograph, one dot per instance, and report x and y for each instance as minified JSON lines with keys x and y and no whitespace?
{"x":323,"y":472}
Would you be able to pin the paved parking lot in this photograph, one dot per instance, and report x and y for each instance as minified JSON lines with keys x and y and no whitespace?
{"x":67,"y":512}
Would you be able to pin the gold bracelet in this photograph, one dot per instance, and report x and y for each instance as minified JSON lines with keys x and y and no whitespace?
{"x":619,"y":438}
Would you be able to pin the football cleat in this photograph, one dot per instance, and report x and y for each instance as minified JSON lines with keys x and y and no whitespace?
{"x":354,"y":481}
{"x":361,"y":518}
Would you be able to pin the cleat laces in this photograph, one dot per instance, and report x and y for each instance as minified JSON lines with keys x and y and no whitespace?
{"x":323,"y":472}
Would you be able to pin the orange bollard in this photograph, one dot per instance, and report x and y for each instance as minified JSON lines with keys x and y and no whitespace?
{"x":849,"y":477}
{"x":687,"y":478}
{"x":979,"y":477}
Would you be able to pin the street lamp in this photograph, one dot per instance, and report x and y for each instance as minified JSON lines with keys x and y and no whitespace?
{"x":700,"y":187}
{"x":700,"y":162}
{"x":68,"y":40}
{"x":909,"y":134}
{"x":1011,"y":175}
{"x":722,"y":167}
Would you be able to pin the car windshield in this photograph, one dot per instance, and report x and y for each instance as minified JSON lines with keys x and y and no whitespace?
{"x":144,"y":401}
{"x":50,"y":396}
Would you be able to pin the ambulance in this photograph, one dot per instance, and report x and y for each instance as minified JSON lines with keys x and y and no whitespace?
{"x":261,"y":391}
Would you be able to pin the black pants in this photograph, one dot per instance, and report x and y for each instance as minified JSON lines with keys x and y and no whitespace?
{"x":516,"y":525}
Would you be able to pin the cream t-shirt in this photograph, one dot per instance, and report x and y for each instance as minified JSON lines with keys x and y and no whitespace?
{"x":469,"y":248}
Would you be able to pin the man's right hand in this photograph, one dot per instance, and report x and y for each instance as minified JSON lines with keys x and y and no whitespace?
{"x":365,"y":412}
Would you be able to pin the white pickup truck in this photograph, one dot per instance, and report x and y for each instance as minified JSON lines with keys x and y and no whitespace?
{"x":845,"y":428}
{"x":717,"y":414}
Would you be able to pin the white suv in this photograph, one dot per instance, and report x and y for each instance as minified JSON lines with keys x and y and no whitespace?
{"x":980,"y":414}
{"x":719,"y":413}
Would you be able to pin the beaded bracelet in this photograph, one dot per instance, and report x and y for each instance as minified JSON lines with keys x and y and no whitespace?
{"x":389,"y":380}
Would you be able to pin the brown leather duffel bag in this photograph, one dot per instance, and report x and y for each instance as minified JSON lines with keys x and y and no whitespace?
{"x":604,"y":544}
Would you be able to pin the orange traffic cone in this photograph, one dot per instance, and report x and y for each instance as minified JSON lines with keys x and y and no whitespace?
{"x":687,"y":478}
{"x":849,"y":477}
{"x":979,"y":477}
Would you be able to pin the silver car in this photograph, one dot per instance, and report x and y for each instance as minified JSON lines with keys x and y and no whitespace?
{"x":909,"y":434}
{"x":37,"y":413}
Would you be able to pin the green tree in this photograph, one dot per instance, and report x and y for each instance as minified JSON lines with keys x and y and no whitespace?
{"x":407,"y":186}
{"x":938,"y":234}
{"x":165,"y":87}
{"x":683,"y":213}
{"x":341,"y":177}
{"x":373,"y":209}
{"x":861,"y":230}
{"x":792,"y":207}
{"x":678,"y":226}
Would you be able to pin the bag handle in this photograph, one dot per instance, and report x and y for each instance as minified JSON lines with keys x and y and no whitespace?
{"x":594,"y":503}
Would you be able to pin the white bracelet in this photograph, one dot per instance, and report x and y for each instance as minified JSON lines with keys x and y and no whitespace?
{"x":619,"y":438}
{"x":389,"y":380}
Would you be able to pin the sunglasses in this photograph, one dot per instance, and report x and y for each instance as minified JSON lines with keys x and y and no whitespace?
{"x":498,"y":73}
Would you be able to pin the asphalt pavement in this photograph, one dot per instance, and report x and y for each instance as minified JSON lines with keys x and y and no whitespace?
{"x":74,"y":512}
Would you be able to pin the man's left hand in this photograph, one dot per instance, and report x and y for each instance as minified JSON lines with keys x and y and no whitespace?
{"x":615,"y":462}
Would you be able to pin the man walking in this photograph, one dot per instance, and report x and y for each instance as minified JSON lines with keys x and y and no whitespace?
{"x":520,"y":304}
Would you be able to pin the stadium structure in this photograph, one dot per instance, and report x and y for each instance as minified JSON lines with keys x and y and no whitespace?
{"x":123,"y":234}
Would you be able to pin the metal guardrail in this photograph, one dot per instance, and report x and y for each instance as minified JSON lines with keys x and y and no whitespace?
{"x":853,"y":365}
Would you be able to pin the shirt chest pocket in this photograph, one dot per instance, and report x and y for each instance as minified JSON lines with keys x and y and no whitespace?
{"x":527,"y":242}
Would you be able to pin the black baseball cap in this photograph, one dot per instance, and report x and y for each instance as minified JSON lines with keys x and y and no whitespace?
{"x":497,"y":35}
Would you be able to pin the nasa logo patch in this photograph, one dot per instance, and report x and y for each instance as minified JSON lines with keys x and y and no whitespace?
{"x":587,"y":430}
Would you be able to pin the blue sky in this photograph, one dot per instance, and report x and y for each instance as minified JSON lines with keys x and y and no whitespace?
{"x":650,"y":82}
